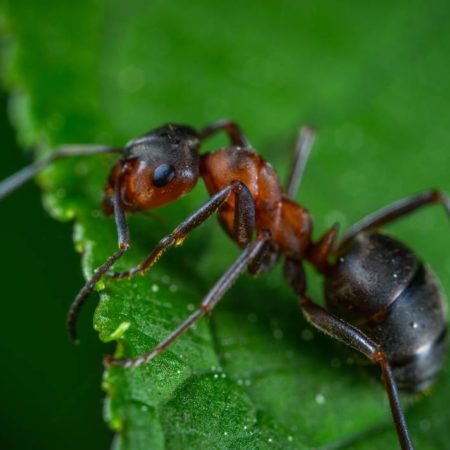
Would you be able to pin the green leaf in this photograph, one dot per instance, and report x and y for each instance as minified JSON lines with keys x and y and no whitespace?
{"x":372,"y":78}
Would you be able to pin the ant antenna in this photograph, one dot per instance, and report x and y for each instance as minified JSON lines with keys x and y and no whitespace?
{"x":16,"y":180}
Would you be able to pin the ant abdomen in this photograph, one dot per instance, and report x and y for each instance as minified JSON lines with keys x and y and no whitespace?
{"x":380,"y":286}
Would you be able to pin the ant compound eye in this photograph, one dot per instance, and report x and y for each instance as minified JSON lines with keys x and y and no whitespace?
{"x":163,"y":174}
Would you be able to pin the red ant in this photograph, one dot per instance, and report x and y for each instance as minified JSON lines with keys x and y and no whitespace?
{"x":381,"y":300}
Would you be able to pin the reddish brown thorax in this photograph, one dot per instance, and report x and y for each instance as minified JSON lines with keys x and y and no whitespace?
{"x":290,"y":224}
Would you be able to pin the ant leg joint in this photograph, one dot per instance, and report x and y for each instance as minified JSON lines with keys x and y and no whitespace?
{"x":206,"y":308}
{"x":379,"y":356}
{"x":237,"y":185}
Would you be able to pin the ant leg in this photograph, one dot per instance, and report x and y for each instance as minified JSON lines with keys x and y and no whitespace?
{"x":234,"y":132}
{"x":244,"y":225}
{"x":209,"y":302}
{"x":22,"y":176}
{"x":305,"y":141}
{"x":395,"y":211}
{"x":351,"y":336}
{"x":320,"y":252}
{"x":124,"y":244}
{"x":266,"y":260}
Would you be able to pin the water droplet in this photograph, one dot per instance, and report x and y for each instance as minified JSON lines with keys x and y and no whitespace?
{"x":173,"y":288}
{"x":155,"y":288}
{"x":144,"y":408}
{"x":248,"y":382}
{"x":216,"y":375}
{"x":290,"y":438}
{"x":320,"y":399}
{"x":270,"y":440}
{"x":414,"y":325}
{"x":165,"y":279}
{"x":223,"y":375}
{"x":191,"y":307}
{"x":225,"y":433}
{"x":395,"y":275}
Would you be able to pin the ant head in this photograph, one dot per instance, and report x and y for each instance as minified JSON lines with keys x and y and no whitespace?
{"x":156,"y":168}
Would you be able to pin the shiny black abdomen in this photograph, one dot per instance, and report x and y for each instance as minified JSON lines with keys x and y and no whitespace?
{"x":381,"y":287}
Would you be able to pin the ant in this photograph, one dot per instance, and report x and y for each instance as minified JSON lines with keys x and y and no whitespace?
{"x":381,"y":299}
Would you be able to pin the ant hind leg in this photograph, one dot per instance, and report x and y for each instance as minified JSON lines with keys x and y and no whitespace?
{"x":351,"y":336}
{"x":395,"y":211}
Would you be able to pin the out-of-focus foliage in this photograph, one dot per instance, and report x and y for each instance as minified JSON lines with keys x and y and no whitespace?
{"x":372,"y":78}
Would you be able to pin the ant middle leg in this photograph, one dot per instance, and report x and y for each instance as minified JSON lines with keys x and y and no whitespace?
{"x":251,"y":253}
{"x":395,"y":211}
{"x":351,"y":336}
{"x":232,"y":129}
{"x":244,"y":225}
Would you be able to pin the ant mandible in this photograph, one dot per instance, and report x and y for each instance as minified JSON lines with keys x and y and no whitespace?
{"x":381,"y":300}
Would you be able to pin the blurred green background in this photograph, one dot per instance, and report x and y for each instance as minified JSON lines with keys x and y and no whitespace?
{"x":50,"y":393}
{"x":373,"y":78}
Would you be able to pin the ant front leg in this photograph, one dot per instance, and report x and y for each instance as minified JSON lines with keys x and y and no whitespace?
{"x":244,"y":225}
{"x":124,"y":243}
{"x":351,"y":336}
{"x":395,"y":211}
{"x":16,"y":180}
{"x":232,"y":129}
{"x":251,"y":253}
